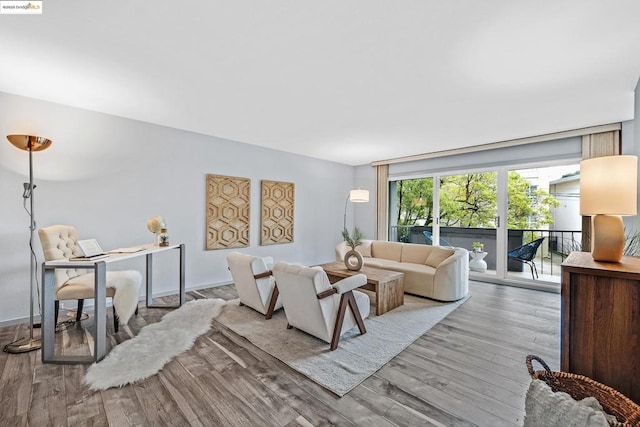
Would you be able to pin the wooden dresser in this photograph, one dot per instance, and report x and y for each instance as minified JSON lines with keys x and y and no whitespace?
{"x":601,"y":321}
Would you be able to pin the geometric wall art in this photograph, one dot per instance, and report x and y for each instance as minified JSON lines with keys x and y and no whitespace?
{"x":228,"y":203}
{"x":277,"y":212}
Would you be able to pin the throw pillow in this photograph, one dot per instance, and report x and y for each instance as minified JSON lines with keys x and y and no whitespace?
{"x":438,"y":255}
{"x":364,"y":248}
{"x":544,"y":408}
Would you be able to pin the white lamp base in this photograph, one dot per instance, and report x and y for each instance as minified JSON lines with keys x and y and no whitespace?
{"x":607,"y":241}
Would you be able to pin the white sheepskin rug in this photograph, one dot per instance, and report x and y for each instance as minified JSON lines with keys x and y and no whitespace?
{"x":127,"y":285}
{"x":155,"y":345}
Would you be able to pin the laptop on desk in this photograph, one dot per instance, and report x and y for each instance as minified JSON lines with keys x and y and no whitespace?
{"x":91,"y":251}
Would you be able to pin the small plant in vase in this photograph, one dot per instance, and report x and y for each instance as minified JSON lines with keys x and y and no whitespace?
{"x":164,"y":237}
{"x":353,"y":240}
{"x":478,"y":247}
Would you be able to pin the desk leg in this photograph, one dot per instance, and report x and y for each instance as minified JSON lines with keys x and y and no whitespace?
{"x":149,"y":282}
{"x":182,"y":268}
{"x":48,"y":322}
{"x":100,"y":313}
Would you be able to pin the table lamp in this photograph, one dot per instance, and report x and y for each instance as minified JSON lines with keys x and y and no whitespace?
{"x":355,"y":196}
{"x":608,"y":189}
{"x":28,"y":143}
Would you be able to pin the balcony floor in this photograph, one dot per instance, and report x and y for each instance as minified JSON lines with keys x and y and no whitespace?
{"x":544,"y":272}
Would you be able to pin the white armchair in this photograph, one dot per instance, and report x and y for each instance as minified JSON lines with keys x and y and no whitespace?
{"x":318,"y":308}
{"x":254,"y":282}
{"x":60,"y":242}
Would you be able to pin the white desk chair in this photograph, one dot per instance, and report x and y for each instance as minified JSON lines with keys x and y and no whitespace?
{"x":60,"y":242}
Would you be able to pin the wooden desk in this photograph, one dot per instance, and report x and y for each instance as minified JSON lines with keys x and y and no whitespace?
{"x":388,"y":285}
{"x":99,"y":268}
{"x":601,"y":321}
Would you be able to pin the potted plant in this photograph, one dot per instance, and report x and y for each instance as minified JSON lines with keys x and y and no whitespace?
{"x":353,"y":241}
{"x":477,"y":247}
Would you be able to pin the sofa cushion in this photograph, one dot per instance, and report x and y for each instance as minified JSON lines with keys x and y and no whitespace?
{"x":416,"y":254}
{"x":386,"y":264}
{"x":418,"y":278}
{"x":437,"y":255}
{"x":386,"y":250}
{"x":364,"y":248}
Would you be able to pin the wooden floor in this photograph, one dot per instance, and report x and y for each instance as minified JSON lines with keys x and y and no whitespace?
{"x":467,"y":370}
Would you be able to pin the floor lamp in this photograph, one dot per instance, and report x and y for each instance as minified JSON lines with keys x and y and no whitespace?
{"x":28,"y":143}
{"x":355,"y":196}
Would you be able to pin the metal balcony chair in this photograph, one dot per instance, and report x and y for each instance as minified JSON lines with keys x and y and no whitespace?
{"x":428,"y":238}
{"x":526,"y":254}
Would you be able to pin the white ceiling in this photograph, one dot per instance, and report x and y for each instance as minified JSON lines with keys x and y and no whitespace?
{"x":348,"y":81}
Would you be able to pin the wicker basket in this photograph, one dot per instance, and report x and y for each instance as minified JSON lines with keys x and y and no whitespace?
{"x":579,"y":387}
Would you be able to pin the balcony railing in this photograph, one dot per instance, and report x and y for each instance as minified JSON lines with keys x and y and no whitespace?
{"x":555,"y":248}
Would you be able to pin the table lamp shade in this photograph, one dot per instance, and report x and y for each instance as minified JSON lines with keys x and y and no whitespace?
{"x":608,"y":189}
{"x":609,"y":185}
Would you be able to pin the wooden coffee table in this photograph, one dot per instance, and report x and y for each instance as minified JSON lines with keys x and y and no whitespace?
{"x":386,"y":284}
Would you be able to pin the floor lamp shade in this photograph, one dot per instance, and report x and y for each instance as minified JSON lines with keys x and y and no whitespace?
{"x":355,"y":196}
{"x":30,"y":144}
{"x":608,"y":190}
{"x":359,"y":196}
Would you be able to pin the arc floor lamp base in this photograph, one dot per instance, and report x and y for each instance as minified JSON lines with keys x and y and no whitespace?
{"x":23,"y":345}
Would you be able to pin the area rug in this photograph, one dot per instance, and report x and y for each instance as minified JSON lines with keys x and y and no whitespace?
{"x":357,"y":356}
{"x":155,"y":345}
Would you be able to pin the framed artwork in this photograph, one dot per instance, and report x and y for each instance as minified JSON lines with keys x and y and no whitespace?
{"x":277,"y":212}
{"x":228,"y":207}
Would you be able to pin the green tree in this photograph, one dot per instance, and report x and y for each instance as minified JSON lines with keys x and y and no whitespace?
{"x":470,"y":200}
{"x":528,"y":209}
{"x":415,"y":200}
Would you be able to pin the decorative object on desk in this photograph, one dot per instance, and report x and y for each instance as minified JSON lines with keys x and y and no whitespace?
{"x":146,"y":354}
{"x":355,"y":196}
{"x":29,"y":143}
{"x":277,"y":212}
{"x":608,"y":189}
{"x":477,"y":247}
{"x":228,"y":203}
{"x":164,"y":237}
{"x":356,"y":358}
{"x":155,"y":224}
{"x":353,"y":241}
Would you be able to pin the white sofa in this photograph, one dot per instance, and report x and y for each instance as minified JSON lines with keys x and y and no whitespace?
{"x":436,"y":272}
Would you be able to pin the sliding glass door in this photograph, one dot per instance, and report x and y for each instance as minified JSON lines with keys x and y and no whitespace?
{"x":544,"y":222}
{"x":468,"y":217}
{"x":518,"y":224}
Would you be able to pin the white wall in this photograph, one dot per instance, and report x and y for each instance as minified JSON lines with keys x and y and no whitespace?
{"x":107,"y":175}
